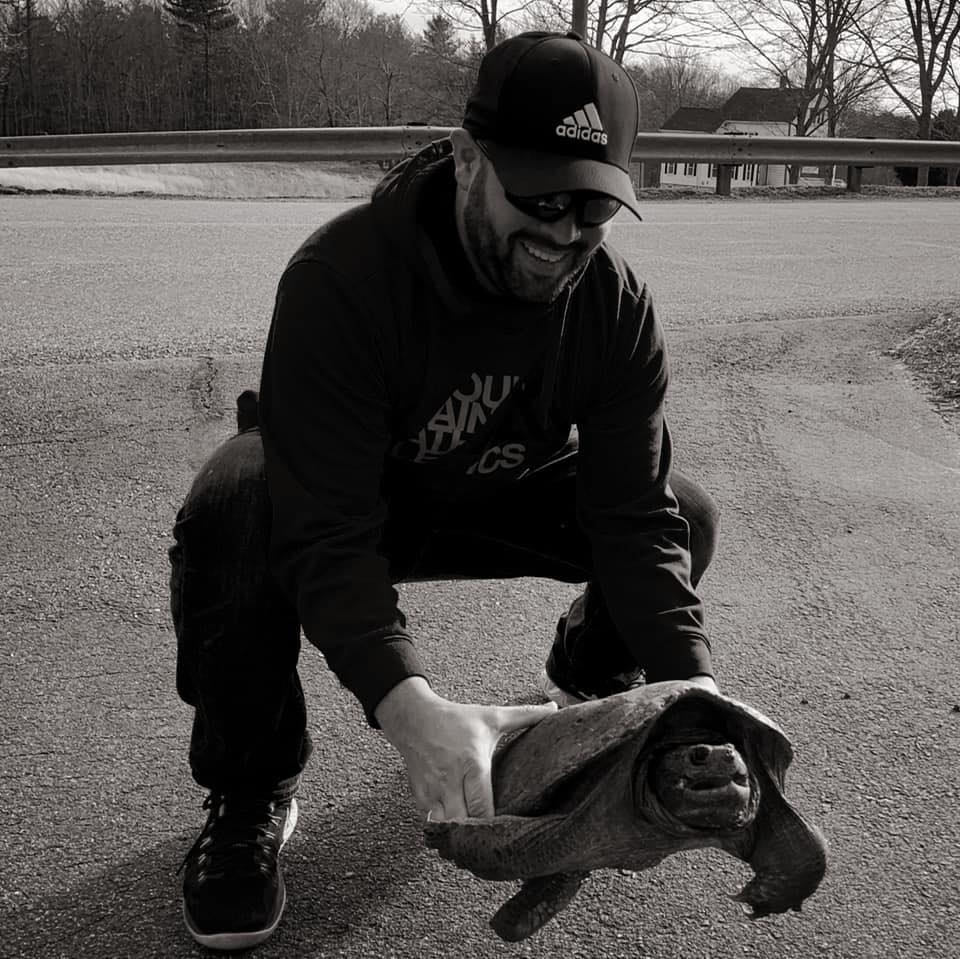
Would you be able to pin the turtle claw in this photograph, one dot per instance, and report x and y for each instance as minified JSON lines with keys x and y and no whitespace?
{"x":754,"y":908}
{"x":535,"y":904}
{"x":746,"y":905}
{"x":439,"y":835}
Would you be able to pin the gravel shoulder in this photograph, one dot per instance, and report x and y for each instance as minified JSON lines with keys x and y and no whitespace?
{"x":931,"y":351}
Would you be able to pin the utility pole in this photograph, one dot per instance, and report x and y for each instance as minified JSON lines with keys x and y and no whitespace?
{"x":579,"y":22}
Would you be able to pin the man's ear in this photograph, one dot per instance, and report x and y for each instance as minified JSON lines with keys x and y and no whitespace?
{"x":467,"y":157}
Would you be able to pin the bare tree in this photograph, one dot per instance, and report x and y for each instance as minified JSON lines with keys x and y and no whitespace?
{"x":626,"y":28}
{"x":18,"y":20}
{"x":913,"y":47}
{"x":381,"y":68}
{"x":809,"y":47}
{"x":676,"y":77}
{"x":491,"y":18}
{"x":11,"y":45}
{"x":283,"y":51}
{"x":443,"y":70}
{"x":622,"y":27}
{"x":199,"y":22}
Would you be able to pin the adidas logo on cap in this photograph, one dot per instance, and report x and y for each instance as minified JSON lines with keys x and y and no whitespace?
{"x":583,"y":125}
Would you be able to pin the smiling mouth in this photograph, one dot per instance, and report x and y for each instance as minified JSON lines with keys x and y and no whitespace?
{"x":543,"y":255}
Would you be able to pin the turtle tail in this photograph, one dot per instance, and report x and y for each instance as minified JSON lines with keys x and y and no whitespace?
{"x":788,"y":855}
{"x":535,"y":904}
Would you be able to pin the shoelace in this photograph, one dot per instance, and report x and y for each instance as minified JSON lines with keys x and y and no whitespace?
{"x":238,"y":832}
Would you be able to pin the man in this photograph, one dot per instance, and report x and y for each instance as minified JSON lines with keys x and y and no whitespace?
{"x":429,"y":357}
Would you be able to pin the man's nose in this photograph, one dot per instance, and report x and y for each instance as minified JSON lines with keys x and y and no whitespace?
{"x":564,"y":231}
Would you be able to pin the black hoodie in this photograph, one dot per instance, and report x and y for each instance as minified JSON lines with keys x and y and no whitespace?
{"x":385,"y":355}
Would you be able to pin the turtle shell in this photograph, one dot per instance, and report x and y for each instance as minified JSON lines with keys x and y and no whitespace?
{"x":530,"y":778}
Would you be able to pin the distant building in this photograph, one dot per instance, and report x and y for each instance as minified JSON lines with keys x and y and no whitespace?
{"x":751,"y":111}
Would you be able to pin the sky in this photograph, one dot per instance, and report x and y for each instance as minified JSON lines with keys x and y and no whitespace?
{"x":406,"y":8}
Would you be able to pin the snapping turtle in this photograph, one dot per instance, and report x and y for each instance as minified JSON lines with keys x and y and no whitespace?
{"x":626,"y":781}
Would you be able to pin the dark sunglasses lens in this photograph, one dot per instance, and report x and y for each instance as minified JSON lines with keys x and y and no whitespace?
{"x":546,"y":208}
{"x":591,"y":210}
{"x":599,"y":209}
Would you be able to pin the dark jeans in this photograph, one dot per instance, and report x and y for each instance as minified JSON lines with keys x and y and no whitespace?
{"x":238,"y":638}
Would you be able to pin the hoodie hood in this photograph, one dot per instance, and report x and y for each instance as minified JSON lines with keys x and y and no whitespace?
{"x":407,"y":204}
{"x":404,"y":204}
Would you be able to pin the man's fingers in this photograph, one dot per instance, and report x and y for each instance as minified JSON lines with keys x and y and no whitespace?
{"x":472,"y":798}
{"x":510,"y":718}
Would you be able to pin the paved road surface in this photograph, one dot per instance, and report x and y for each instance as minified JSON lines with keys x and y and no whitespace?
{"x":129,"y":326}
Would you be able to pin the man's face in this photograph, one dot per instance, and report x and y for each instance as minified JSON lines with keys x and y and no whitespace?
{"x":516,"y":254}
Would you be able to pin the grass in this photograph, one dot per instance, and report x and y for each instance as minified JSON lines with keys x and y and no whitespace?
{"x":932,"y":353}
{"x":327,"y":181}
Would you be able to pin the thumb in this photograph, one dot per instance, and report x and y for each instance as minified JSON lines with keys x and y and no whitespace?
{"x":510,"y":718}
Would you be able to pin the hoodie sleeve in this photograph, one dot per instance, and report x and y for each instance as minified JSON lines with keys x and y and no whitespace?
{"x":325,"y":421}
{"x":640,"y":542}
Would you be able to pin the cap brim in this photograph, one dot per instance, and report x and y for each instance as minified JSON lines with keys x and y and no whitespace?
{"x":533,"y":172}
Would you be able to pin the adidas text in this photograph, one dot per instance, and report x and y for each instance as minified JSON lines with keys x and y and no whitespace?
{"x":581,"y":133}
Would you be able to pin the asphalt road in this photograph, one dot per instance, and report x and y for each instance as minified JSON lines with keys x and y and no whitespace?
{"x":128,"y":326}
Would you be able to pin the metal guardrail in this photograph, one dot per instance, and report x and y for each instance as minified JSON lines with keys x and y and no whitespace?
{"x":218,"y":146}
{"x":386,"y":143}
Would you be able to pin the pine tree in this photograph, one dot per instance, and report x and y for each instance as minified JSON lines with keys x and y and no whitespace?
{"x":440,"y":37}
{"x":199,"y":21}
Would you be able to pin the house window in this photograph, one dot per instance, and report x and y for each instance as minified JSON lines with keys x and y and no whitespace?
{"x":747,"y":172}
{"x":670,"y":168}
{"x":689,"y":169}
{"x":712,"y":172}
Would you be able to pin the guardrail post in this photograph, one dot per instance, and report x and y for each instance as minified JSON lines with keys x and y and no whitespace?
{"x":724,"y":176}
{"x":854,"y":178}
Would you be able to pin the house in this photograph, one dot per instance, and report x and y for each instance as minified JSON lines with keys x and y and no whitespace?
{"x":751,"y":111}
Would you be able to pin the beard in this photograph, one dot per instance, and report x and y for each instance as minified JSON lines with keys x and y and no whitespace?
{"x":507,"y":263}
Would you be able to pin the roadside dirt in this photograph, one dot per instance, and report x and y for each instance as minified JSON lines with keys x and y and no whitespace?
{"x":932,"y":353}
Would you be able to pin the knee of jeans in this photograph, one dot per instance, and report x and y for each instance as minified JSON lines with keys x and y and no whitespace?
{"x":710,"y":522}
{"x":229,"y":491}
{"x":704,"y":535}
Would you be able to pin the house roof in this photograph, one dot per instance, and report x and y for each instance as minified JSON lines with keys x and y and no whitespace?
{"x":760,"y":103}
{"x":699,"y":119}
{"x":748,"y":104}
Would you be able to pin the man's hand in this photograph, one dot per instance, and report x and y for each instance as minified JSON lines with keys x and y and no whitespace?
{"x":447,"y":747}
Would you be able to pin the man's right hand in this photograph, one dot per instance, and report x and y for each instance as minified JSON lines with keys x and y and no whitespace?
{"x":447,"y":747}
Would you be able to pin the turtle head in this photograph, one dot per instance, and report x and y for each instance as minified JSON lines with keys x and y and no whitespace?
{"x":704,"y":784}
{"x":694,"y":772}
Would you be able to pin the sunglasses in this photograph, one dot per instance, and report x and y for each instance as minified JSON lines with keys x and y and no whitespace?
{"x":592,"y":209}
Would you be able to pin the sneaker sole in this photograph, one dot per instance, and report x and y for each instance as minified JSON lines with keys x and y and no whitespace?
{"x":555,"y":694}
{"x":234,"y":941}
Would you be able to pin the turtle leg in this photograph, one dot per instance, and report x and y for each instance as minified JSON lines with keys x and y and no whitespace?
{"x":504,"y":847}
{"x":788,"y":856}
{"x":535,"y":904}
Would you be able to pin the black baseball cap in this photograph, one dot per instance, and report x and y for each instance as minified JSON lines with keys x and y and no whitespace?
{"x":555,"y":115}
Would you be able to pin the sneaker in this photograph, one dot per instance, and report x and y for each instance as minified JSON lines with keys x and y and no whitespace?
{"x":233,"y":891}
{"x":559,"y":686}
{"x":556,"y":694}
